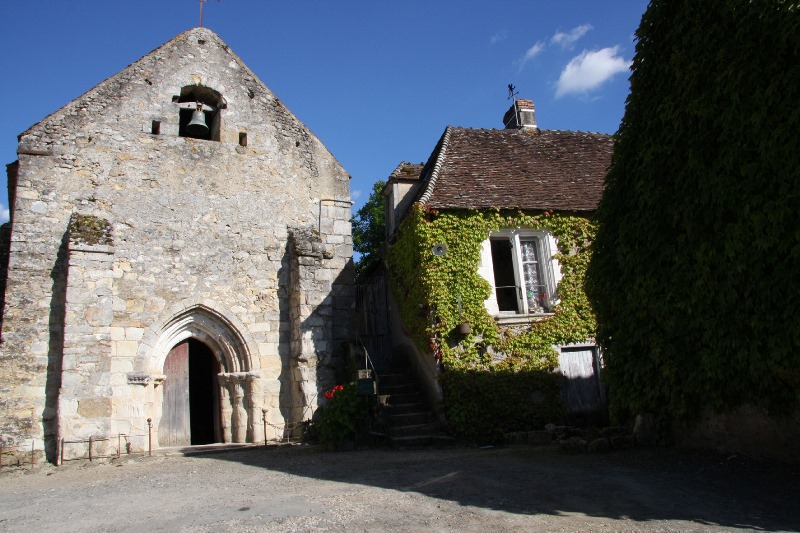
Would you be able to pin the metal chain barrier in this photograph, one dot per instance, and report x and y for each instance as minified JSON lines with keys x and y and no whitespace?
{"x":287,"y":429}
{"x":16,"y":450}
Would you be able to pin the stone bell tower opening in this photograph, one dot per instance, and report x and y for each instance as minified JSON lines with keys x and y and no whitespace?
{"x":191,"y":402}
{"x":199,"y":110}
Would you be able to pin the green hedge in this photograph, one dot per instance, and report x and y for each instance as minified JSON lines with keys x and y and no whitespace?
{"x":482,"y":406}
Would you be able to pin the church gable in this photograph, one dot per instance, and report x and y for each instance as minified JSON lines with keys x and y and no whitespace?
{"x":195,"y":62}
{"x":177,"y":208}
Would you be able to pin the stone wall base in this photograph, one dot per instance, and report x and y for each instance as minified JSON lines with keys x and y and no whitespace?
{"x":747,"y":430}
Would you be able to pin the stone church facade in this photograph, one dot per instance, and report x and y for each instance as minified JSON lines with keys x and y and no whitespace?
{"x":198,"y":276}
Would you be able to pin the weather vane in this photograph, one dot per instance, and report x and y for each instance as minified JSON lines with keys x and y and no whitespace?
{"x":201,"y":11}
{"x":512,"y":92}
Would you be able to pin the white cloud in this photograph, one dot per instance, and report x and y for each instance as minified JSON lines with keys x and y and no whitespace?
{"x":502,"y":35}
{"x":569,"y":38}
{"x":354,"y":195}
{"x":566,"y":40}
{"x":4,"y":214}
{"x":589,"y":70}
{"x":532,"y":52}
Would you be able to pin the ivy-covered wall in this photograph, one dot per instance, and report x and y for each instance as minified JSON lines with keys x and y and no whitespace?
{"x":700,"y":215}
{"x":428,"y":288}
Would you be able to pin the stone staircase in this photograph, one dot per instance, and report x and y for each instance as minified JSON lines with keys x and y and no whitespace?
{"x":409,"y":420}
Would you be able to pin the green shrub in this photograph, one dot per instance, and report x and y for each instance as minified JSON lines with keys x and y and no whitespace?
{"x":344,"y":415}
{"x":482,"y":406}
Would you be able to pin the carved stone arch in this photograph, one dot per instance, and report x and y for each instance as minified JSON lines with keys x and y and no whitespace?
{"x":206,"y":321}
{"x":229,"y":341}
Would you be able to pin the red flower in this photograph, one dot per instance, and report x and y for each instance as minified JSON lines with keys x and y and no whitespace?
{"x":331,"y":393}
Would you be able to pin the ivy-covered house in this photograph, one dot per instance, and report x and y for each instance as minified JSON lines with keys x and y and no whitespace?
{"x":488,"y":243}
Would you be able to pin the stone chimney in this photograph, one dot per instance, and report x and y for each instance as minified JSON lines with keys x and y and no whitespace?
{"x":520,"y":116}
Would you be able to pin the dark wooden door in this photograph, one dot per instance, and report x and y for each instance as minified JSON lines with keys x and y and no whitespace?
{"x":373,"y":324}
{"x":174,"y":429}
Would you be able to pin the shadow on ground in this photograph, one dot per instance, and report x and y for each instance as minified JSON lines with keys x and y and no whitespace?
{"x":643,"y":485}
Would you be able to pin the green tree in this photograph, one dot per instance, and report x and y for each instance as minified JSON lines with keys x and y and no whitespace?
{"x":694,"y":270}
{"x":369,"y":227}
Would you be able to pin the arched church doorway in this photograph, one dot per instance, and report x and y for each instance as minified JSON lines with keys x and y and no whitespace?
{"x":191,"y":403}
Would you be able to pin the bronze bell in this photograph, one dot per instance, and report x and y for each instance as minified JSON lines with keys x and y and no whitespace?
{"x":197,"y":126}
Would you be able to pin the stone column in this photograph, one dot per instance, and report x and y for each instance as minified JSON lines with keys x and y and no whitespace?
{"x":239,"y":418}
{"x":255,"y":425}
{"x":237,"y":408}
{"x":225,"y":408}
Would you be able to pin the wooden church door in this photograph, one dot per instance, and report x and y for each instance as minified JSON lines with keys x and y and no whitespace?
{"x":174,"y":429}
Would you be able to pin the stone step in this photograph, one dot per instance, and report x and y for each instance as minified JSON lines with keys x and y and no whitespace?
{"x":409,"y":420}
{"x":420,"y":441}
{"x":412,"y":440}
{"x":398,"y":388}
{"x":405,"y":408}
{"x":411,"y":417}
{"x":409,"y":430}
{"x":405,"y":397}
{"x":443,"y":439}
{"x":396,"y":379}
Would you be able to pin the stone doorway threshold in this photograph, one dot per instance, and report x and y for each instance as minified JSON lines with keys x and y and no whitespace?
{"x":200,"y":449}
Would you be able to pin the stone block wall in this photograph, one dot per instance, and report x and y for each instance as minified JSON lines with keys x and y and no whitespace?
{"x":747,"y":430}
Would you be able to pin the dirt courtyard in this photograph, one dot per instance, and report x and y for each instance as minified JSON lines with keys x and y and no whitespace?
{"x":303,"y":488}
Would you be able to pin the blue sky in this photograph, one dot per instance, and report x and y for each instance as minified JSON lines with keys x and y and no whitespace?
{"x":376,"y":81}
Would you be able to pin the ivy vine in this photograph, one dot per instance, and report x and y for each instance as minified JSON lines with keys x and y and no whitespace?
{"x":437,"y":293}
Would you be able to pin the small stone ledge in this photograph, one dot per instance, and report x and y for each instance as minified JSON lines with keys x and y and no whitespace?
{"x":138,"y":378}
{"x":144,"y":378}
{"x":91,"y":248}
{"x":520,"y":320}
{"x":308,"y":243}
{"x":238,"y":377}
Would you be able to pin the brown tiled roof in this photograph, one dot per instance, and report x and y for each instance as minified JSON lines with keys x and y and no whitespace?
{"x":517,"y":169}
{"x":407,"y":171}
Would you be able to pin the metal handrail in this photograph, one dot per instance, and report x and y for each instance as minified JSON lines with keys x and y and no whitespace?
{"x":368,"y":363}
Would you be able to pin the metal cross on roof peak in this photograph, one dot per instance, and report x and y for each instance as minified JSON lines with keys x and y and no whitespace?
{"x":201,"y":11}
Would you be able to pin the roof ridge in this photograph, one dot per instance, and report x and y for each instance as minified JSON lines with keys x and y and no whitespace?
{"x":541,"y":130}
{"x":398,"y":171}
{"x":426,"y":195}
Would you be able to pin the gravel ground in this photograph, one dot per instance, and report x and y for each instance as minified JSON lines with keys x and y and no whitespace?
{"x":303,"y":488}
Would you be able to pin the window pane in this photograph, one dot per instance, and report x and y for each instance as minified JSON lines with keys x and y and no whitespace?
{"x":535,"y":293}
{"x":529,"y":250}
{"x":534,"y":290}
{"x":504,"y":280}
